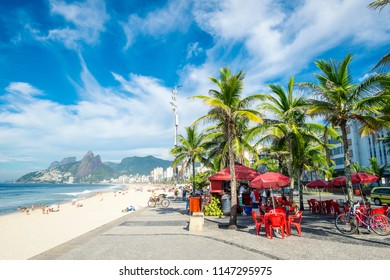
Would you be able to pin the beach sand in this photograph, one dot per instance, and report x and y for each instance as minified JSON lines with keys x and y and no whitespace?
{"x":23,"y":236}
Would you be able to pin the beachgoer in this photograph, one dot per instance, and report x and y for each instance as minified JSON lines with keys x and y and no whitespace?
{"x":287,"y":204}
{"x":176,"y":193}
{"x":264,"y":196}
{"x":241,"y":191}
{"x":184,"y":193}
{"x":255,"y":198}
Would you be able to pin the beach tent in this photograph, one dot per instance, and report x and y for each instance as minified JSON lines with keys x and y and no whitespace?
{"x":243,"y":173}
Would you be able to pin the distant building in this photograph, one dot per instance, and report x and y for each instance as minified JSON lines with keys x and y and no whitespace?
{"x":361,"y":149}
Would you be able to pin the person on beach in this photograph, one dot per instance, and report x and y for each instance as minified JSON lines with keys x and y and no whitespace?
{"x":176,"y":193}
{"x":255,"y":198}
{"x":184,"y":194}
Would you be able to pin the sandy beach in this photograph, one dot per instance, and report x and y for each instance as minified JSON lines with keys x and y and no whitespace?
{"x":23,"y":236}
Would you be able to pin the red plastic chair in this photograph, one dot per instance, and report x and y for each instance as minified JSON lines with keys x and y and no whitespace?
{"x":328,"y":206}
{"x":386,"y":210}
{"x":295,"y":220}
{"x":259,"y":221}
{"x":275,"y":220}
{"x":313,"y":206}
{"x":336,"y":208}
{"x":377,"y":211}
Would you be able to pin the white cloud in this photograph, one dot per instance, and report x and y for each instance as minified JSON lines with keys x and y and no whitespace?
{"x":171,"y":18}
{"x":23,"y":88}
{"x":193,"y":50}
{"x":105,"y":117}
{"x":85,"y":22}
{"x":279,"y":41}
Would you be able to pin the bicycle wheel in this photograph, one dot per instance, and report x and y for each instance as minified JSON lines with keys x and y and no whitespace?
{"x":151,"y":203}
{"x":346,"y":224}
{"x":379,"y":224}
{"x":165,"y":203}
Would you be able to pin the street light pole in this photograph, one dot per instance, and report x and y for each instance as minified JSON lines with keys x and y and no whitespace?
{"x":174,"y":108}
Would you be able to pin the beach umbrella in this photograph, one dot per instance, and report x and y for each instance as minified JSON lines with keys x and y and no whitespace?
{"x":357,"y":178}
{"x":270,"y":180}
{"x":318,"y":184}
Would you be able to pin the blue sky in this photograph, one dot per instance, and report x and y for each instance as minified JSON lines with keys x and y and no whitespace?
{"x":97,"y":75}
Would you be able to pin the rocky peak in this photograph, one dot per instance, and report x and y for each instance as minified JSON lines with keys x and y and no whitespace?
{"x":88,"y":164}
{"x":68,"y":160}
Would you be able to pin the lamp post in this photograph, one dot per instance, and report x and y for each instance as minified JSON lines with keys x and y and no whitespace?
{"x":174,"y":108}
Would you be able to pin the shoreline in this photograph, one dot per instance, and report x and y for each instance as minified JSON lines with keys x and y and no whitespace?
{"x":23,"y":235}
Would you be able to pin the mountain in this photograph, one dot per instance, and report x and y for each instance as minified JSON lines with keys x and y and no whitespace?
{"x":91,"y":169}
{"x":141,"y":165}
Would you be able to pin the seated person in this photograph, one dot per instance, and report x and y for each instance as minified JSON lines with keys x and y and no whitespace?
{"x":264,"y":208}
{"x":285,"y":203}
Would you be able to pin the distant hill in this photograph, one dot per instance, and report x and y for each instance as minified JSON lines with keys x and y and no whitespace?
{"x":140,"y":165}
{"x":92,"y":170}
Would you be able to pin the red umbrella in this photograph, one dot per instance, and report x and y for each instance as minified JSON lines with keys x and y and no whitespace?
{"x":270,"y":180}
{"x":357,"y":178}
{"x":318,"y":184}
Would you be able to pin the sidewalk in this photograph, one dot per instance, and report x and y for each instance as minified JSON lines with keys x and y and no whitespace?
{"x":162,"y":234}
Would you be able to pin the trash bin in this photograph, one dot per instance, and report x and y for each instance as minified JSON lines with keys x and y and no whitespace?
{"x":226,"y":204}
{"x":194,"y":204}
{"x":357,"y":191}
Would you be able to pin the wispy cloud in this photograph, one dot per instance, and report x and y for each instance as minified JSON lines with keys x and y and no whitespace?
{"x":277,"y":42}
{"x":193,"y":50}
{"x":105,"y":117}
{"x":171,"y":18}
{"x":84,"y":22}
{"x":23,"y":88}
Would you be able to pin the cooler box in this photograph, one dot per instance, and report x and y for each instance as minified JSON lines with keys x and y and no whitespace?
{"x":248,"y":210}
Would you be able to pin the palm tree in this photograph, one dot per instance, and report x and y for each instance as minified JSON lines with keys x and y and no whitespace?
{"x":289,"y":128}
{"x":227,"y":109}
{"x":309,"y":155}
{"x":385,"y":61}
{"x":341,"y":101}
{"x":376,"y":169}
{"x":217,"y":145}
{"x":190,"y":150}
{"x":378,"y":4}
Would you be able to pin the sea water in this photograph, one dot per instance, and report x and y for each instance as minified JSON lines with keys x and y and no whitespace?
{"x":13,"y":196}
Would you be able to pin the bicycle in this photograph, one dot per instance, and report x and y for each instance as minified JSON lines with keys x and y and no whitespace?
{"x":348,"y":222}
{"x":161,"y":199}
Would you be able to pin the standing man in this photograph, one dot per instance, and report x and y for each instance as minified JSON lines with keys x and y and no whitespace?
{"x":264,"y":196}
{"x":184,"y":193}
{"x":255,"y":198}
{"x":241,"y":190}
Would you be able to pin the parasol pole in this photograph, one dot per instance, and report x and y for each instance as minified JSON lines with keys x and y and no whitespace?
{"x":273,"y":200}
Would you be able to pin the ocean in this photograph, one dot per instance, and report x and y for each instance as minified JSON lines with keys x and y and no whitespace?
{"x":24,"y":195}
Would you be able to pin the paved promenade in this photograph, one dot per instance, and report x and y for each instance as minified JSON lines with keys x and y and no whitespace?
{"x":162,"y":234}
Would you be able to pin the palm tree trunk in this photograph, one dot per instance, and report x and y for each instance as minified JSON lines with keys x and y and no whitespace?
{"x":300,"y":188}
{"x":233,"y":209}
{"x":347,"y":163}
{"x":291,"y":172}
{"x":193,"y":175}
